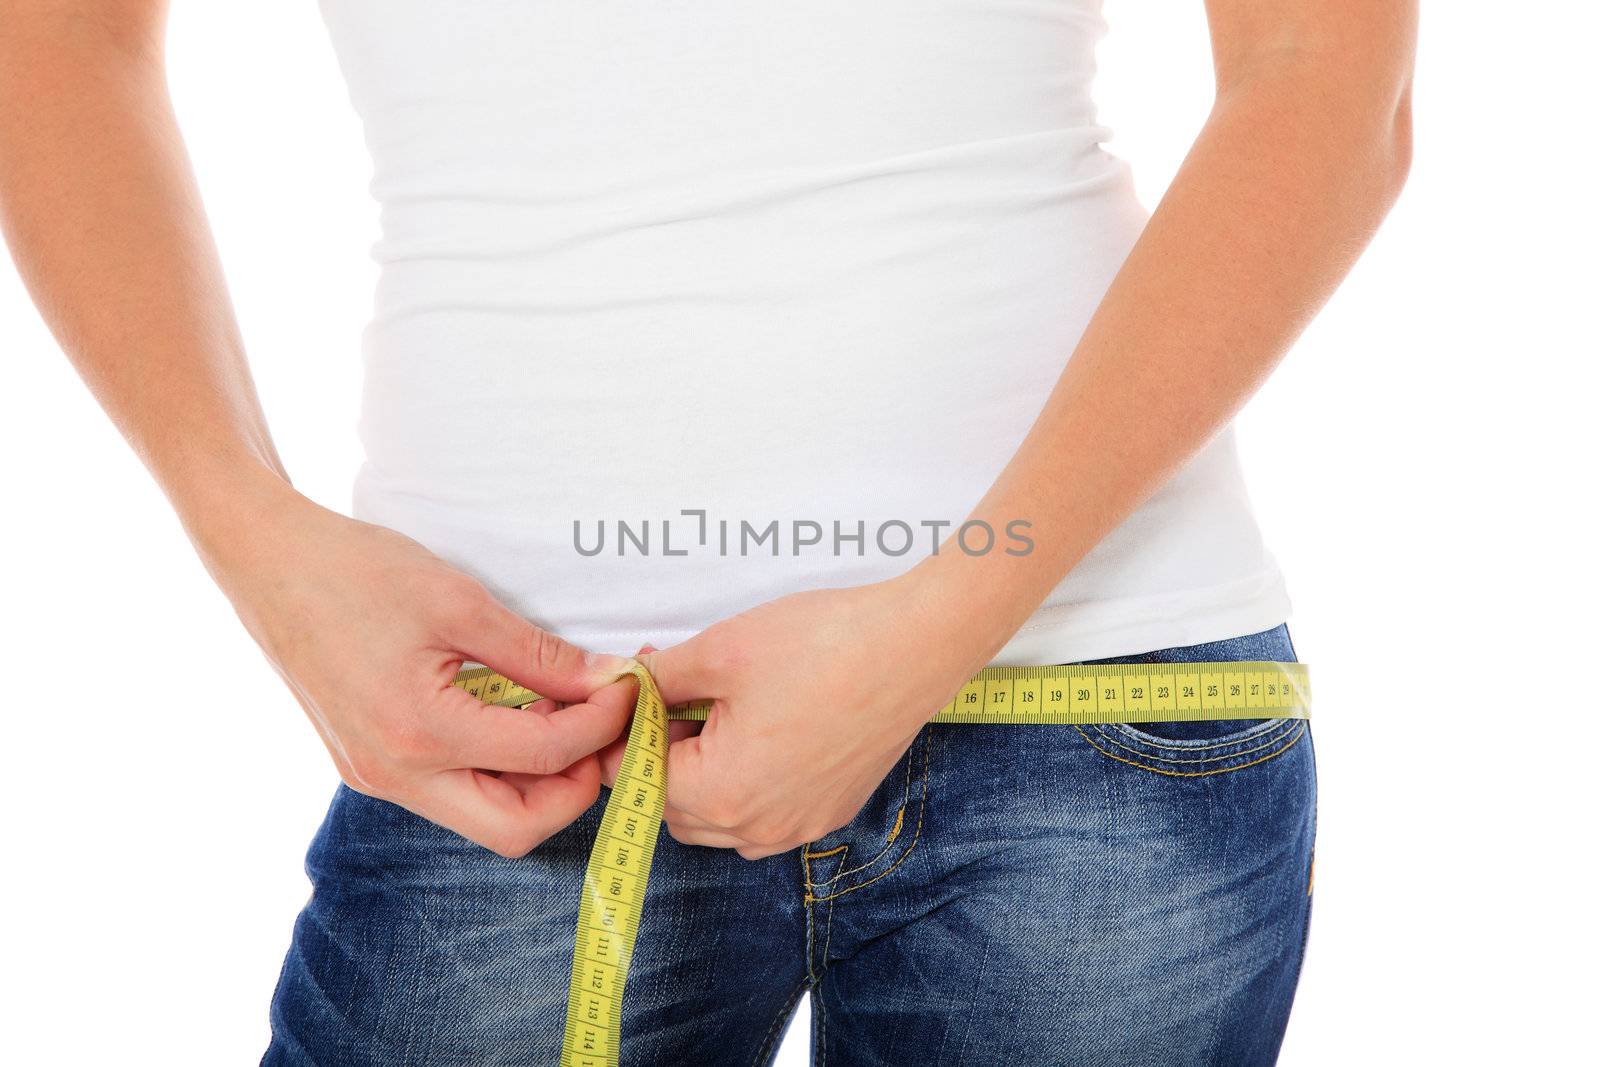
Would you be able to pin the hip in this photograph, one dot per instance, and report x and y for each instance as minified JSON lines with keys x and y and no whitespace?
{"x":1016,"y":893}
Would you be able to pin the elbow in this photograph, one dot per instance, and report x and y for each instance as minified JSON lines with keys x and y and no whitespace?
{"x":1347,"y":122}
{"x":64,"y":33}
{"x":1369,"y":153}
{"x":1396,"y":149}
{"x":1367,"y":136}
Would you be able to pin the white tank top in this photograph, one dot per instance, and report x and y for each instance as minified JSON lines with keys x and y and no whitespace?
{"x":670,"y":288}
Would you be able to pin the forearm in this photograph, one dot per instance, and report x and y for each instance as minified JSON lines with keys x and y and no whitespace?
{"x":102,"y":216}
{"x":1269,"y":211}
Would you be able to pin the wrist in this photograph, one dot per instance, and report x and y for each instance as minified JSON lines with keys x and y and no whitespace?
{"x":974,"y":604}
{"x":231,"y":510}
{"x":954,"y":619}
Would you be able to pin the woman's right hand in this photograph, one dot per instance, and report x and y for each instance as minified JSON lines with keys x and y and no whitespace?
{"x":369,"y":629}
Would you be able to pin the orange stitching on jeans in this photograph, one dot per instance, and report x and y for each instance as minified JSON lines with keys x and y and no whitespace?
{"x":1274,"y":739}
{"x":805,"y":861}
{"x":806,"y":899}
{"x":885,"y":849}
{"x":914,"y":837}
{"x":1241,"y":736}
{"x":899,"y":821}
{"x":818,"y":855}
{"x":1190,"y":774}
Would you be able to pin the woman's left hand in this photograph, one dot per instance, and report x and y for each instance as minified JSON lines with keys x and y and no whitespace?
{"x":816,"y":695}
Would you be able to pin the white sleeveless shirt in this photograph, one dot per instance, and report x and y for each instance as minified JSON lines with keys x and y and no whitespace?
{"x":685,"y":306}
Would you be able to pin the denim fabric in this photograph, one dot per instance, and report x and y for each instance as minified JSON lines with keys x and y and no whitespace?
{"x":1030,"y":895}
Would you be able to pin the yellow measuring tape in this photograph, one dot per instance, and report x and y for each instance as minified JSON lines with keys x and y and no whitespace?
{"x":619,"y":863}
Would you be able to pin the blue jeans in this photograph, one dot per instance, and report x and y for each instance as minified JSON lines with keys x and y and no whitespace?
{"x":1094,"y":896}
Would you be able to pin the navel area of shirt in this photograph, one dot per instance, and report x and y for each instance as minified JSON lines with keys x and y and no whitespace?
{"x":684,"y":307}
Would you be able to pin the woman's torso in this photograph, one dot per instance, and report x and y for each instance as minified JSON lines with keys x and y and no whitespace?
{"x":776,"y":263}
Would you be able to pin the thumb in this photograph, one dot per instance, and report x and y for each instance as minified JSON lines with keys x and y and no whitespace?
{"x":688,"y":671}
{"x":534,"y":658}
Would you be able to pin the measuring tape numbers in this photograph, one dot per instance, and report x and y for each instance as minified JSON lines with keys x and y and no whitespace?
{"x":618,"y":869}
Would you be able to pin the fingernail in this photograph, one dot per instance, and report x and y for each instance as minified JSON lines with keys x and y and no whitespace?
{"x":613,"y":667}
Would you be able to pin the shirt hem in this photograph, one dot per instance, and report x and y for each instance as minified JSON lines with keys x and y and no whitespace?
{"x":1100,"y":629}
{"x":1072,"y":633}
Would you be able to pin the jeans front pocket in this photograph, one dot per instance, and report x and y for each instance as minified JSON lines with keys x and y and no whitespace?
{"x":1196,"y":749}
{"x":1200,"y":748}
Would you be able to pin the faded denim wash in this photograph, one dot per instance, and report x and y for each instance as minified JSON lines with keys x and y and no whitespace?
{"x":1098,"y":896}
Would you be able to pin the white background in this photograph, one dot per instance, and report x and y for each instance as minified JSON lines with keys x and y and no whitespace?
{"x":1423,"y":466}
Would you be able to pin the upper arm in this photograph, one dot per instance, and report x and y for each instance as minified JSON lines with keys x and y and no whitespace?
{"x":1348,"y":62}
{"x":132,"y":26}
{"x":1366,"y":44}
